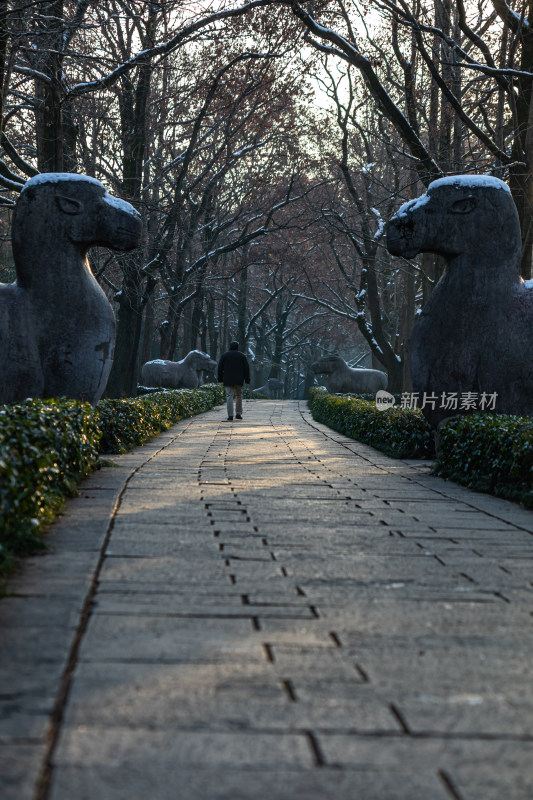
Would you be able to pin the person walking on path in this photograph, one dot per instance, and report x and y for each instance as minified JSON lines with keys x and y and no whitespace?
{"x":233,"y":372}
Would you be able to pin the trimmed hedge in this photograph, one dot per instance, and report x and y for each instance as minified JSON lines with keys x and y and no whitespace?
{"x":489,"y":453}
{"x":48,"y":446}
{"x":247,"y":393}
{"x":401,"y":433}
{"x":130,"y":422}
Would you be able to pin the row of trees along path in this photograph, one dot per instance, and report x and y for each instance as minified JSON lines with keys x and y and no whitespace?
{"x":265,"y":144}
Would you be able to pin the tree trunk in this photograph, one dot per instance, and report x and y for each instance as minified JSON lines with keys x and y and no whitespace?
{"x":187,"y":325}
{"x":521,"y":174}
{"x":197,"y":310}
{"x":164,"y":331}
{"x":196,"y":319}
{"x":123,"y":378}
{"x":203,"y":331}
{"x":442,"y":21}
{"x":4,"y":40}
{"x":49,"y":127}
{"x":259,"y":372}
{"x":225,"y":333}
{"x":242,"y":305}
{"x":281,"y":321}
{"x":211,"y":326}
{"x":406,"y":326}
{"x":148,"y":331}
{"x":169,"y":330}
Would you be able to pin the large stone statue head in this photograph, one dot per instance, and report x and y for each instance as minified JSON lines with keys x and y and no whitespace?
{"x":328,"y":364}
{"x":458,"y":214}
{"x":199,"y":361}
{"x":64,"y":211}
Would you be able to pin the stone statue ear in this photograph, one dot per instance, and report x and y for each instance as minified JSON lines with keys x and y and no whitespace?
{"x":68,"y":205}
{"x":464,"y":206}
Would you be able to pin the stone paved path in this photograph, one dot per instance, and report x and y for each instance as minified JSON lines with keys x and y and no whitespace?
{"x":266,"y":609}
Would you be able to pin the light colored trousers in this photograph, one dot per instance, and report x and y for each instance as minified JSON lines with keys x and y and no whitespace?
{"x":231,"y":392}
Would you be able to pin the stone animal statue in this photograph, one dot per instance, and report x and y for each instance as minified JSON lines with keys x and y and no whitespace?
{"x":184,"y":374}
{"x":57,"y":328}
{"x":475,"y":334}
{"x":344,"y":379}
{"x":272,"y":388}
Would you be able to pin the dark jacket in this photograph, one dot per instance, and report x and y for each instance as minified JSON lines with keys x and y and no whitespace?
{"x":233,"y":368}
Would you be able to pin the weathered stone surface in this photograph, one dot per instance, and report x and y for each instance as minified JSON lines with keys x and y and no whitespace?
{"x":20,"y":612}
{"x":246,"y":697}
{"x":153,"y":638}
{"x":19,"y":770}
{"x":174,"y":571}
{"x":57,"y":330}
{"x":490,"y":760}
{"x":480,"y":713}
{"x":168,"y":751}
{"x":175,"y":605}
{"x":221,"y":784}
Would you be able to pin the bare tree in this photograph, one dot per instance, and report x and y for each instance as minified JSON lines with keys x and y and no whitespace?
{"x":495,"y":48}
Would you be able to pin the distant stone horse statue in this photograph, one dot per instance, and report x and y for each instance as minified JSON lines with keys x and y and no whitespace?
{"x":57,"y":328}
{"x":184,"y":374}
{"x":272,"y":388}
{"x":343,"y":379}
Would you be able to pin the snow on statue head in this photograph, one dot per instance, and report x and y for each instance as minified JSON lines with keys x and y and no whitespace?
{"x":57,"y":328}
{"x":475,"y":334}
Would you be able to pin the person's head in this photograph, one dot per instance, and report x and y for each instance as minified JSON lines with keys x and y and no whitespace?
{"x":234,"y":345}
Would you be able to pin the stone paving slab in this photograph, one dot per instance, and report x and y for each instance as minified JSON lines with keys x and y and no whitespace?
{"x":270,"y":609}
{"x":154,"y":638}
{"x":211,"y":697}
{"x":20,"y":766}
{"x":476,"y":769}
{"x":221,"y":784}
{"x":124,"y":747}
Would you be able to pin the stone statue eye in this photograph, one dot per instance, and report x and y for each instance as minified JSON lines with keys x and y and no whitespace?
{"x":68,"y":205}
{"x":463,"y":206}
